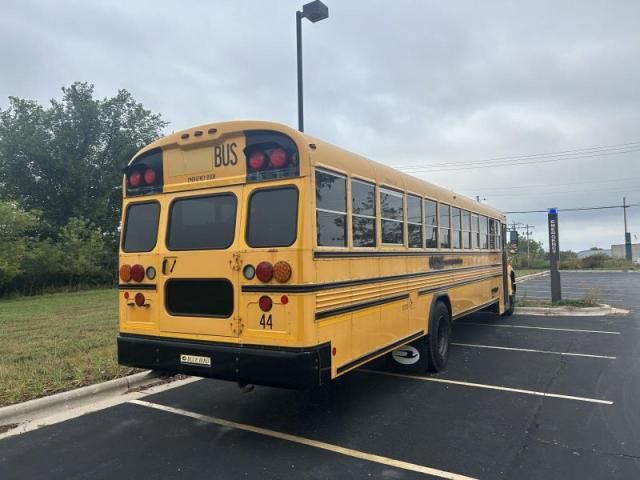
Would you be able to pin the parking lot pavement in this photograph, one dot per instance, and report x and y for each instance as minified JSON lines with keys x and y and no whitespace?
{"x":555,"y":400}
{"x":608,"y":287}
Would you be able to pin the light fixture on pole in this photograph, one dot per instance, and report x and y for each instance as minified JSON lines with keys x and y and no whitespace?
{"x":314,"y":12}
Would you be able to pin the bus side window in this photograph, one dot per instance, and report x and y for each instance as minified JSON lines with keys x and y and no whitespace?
{"x":456,"y":225}
{"x":414,"y":221}
{"x":475,"y":231}
{"x":331,"y":209}
{"x":363,"y":213}
{"x":431,"y":220}
{"x":484,"y":232}
{"x":466,"y":229}
{"x":391,"y":210}
{"x":445,"y":226}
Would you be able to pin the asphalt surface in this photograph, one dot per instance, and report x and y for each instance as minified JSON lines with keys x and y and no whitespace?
{"x":605,"y":286}
{"x":485,"y":417}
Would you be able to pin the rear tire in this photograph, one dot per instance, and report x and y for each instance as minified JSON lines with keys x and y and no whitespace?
{"x":439,"y":338}
{"x":511,"y":308}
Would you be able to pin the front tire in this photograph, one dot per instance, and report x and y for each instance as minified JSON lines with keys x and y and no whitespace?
{"x":439,"y":338}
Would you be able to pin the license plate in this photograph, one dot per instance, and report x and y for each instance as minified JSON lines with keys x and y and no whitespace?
{"x":195,"y":360}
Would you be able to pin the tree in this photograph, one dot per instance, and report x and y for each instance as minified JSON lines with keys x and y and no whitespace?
{"x":15,"y":225}
{"x":66,"y":160}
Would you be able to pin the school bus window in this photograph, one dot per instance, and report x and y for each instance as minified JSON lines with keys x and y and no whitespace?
{"x":492,"y":233}
{"x":456,"y":225}
{"x":363,"y":208}
{"x":273,"y":217}
{"x":391,"y":207}
{"x":431,"y":220}
{"x":475,"y":231}
{"x":414,"y":221}
{"x":466,"y":229}
{"x":202,"y":223}
{"x":445,"y":226}
{"x":484,"y":232}
{"x":331,"y":209}
{"x":141,"y":227}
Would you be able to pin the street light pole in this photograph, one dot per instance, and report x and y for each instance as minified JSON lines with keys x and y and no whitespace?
{"x":299,"y":47}
{"x":314,"y":12}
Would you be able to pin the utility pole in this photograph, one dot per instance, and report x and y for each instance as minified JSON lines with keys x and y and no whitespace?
{"x":527,"y":226}
{"x":627,"y":235}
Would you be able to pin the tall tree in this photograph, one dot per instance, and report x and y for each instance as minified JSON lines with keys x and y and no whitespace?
{"x":66,"y":160}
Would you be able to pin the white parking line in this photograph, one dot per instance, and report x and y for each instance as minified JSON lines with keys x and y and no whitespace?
{"x":491,"y":387}
{"x":577,"y":330}
{"x":531,"y":350}
{"x":306,"y":441}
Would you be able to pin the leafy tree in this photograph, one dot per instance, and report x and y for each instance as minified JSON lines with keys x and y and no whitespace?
{"x":15,"y":225}
{"x":66,"y":160}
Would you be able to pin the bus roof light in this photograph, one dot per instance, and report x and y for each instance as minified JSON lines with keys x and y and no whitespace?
{"x":257,"y":160}
{"x":278,"y":158}
{"x":135,"y":178}
{"x":149,"y":176}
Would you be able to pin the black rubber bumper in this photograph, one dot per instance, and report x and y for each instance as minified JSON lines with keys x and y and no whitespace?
{"x":298,"y":368}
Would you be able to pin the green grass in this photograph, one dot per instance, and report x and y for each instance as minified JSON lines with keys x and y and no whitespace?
{"x":577,"y":303}
{"x":57,"y":342}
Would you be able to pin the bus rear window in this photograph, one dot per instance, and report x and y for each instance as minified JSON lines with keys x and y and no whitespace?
{"x":141,"y":227}
{"x":202,"y":223}
{"x":273,"y":218}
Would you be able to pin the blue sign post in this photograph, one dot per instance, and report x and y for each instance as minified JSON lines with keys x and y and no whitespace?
{"x":554,"y":255}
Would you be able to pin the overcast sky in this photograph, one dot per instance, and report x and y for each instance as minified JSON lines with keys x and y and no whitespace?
{"x":419,"y":84}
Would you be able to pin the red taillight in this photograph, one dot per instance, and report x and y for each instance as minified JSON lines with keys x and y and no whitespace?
{"x":134,"y":179}
{"x":137,"y":272}
{"x":139,"y":299}
{"x":150,"y":176}
{"x":265,"y":303}
{"x":284,"y":299}
{"x":257,"y":161}
{"x":278,"y":157}
{"x":264,"y":272}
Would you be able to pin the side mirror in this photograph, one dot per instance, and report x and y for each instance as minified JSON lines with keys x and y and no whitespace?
{"x":513,"y":237}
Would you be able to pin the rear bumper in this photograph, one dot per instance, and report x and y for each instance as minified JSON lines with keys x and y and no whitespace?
{"x":250,"y":364}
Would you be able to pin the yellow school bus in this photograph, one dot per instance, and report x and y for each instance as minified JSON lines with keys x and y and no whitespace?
{"x":255,"y":253}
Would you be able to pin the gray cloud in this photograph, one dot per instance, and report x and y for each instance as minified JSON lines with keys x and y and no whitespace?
{"x":405,"y":83}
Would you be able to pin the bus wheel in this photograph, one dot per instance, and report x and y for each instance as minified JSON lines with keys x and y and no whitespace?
{"x":511,"y":308}
{"x":437,"y":342}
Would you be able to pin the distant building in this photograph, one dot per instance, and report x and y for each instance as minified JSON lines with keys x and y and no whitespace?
{"x":591,"y":252}
{"x":619,"y":251}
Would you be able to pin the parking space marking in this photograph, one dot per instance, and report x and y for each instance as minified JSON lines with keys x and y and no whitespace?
{"x":531,"y":350}
{"x":491,"y":387}
{"x":576,"y":330}
{"x":391,"y":462}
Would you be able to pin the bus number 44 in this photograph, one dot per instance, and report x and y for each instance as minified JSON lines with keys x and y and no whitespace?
{"x":266,"y":322}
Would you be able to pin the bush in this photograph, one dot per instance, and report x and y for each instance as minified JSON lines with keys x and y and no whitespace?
{"x":594,"y":261}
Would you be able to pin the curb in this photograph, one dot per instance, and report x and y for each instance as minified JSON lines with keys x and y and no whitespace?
{"x":68,"y":400}
{"x":531,"y":275}
{"x":599,"y":311}
{"x":600,"y":271}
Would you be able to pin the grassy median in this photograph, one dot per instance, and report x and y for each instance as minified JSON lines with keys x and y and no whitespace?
{"x":57,"y":342}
